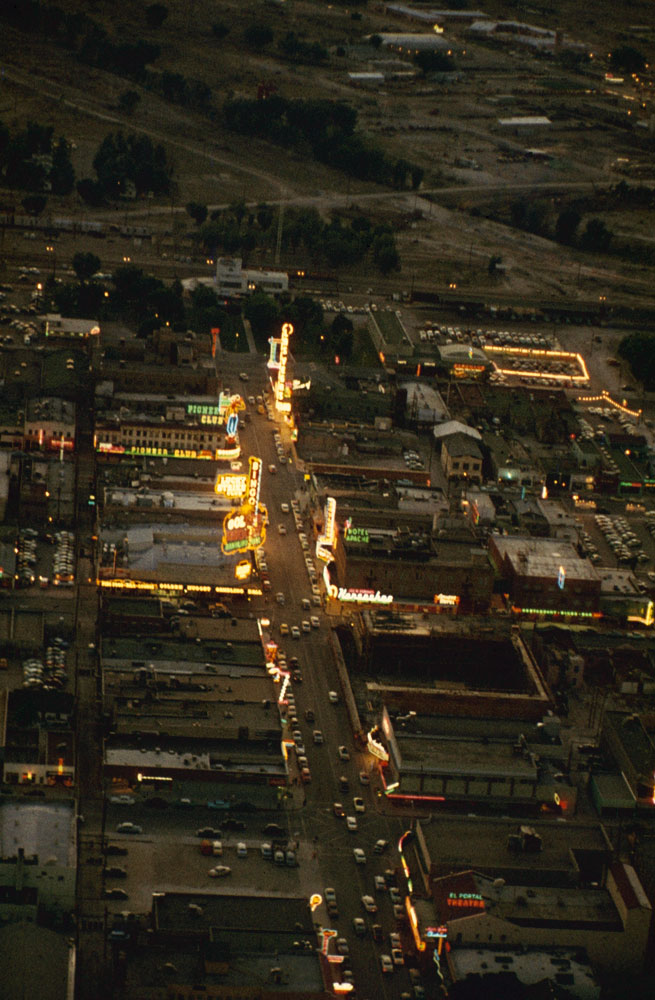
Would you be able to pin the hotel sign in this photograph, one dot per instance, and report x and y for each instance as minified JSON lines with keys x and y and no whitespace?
{"x":357,"y":596}
{"x":232,"y":486}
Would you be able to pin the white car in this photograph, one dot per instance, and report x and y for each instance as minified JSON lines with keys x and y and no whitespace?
{"x":397,"y":956}
{"x":329,"y":895}
{"x":351,"y":823}
{"x":295,"y":632}
{"x":219,"y":872}
{"x":314,"y":622}
{"x":385,"y":963}
{"x":342,"y":946}
{"x":281,"y":529}
{"x":242,"y":850}
{"x":359,"y":805}
{"x":305,"y":626}
{"x":284,"y":507}
{"x":359,"y":856}
{"x":333,"y":697}
{"x":342,"y":751}
{"x":369,"y":904}
{"x":394,"y":940}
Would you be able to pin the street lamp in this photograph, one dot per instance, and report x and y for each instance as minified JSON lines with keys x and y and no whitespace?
{"x":51,"y":250}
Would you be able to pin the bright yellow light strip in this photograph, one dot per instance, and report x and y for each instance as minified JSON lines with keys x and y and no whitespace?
{"x":606,"y":398}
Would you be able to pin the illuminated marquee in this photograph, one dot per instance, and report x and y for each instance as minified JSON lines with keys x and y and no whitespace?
{"x":109,"y":448}
{"x":325,"y":542}
{"x":232,"y":486}
{"x":356,"y":596}
{"x":374,"y":746}
{"x":243,"y":569}
{"x":245,"y":528}
{"x":281,"y":402}
{"x":358,"y":535}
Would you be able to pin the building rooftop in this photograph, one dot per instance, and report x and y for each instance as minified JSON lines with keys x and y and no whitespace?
{"x":419,"y":753}
{"x":44,"y":829}
{"x":175,"y":913}
{"x":560,"y":966}
{"x":543,"y":557}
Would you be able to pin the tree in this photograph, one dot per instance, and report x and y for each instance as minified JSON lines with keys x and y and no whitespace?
{"x":34,"y":203}
{"x":197,"y":212}
{"x":263,"y":313}
{"x":385,"y":253}
{"x":596,"y":236}
{"x":128,"y":101}
{"x":220,"y":29}
{"x":566,"y":226}
{"x":85,"y":265}
{"x":434,"y":62}
{"x":627,"y":59}
{"x":62,"y":174}
{"x":257,"y":36}
{"x":156,"y":14}
{"x":90,"y":192}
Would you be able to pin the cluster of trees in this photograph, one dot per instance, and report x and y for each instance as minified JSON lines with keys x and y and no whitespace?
{"x":310,"y":335}
{"x":179,"y":89}
{"x":638,"y":349}
{"x":31,"y":160}
{"x":536,"y":217}
{"x":337,"y":242}
{"x":123,"y":162}
{"x":323,"y":129}
{"x":82,"y":35}
{"x":290,"y":46}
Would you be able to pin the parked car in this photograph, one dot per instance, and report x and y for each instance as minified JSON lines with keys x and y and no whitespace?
{"x":220,"y":871}
{"x":369,"y":904}
{"x":386,"y":964}
{"x":128,"y":828}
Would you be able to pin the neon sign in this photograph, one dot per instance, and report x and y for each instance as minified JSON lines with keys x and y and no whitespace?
{"x":358,"y":535}
{"x":243,"y":569}
{"x":228,"y":485}
{"x":446,"y":600}
{"x":325,"y":542}
{"x":281,"y":403}
{"x":359,"y":596}
{"x":245,"y":528}
{"x":374,"y":746}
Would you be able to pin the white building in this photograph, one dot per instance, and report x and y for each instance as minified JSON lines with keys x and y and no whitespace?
{"x":233,"y":280}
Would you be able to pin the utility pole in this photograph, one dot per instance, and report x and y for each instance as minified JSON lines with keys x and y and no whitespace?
{"x":278,"y":241}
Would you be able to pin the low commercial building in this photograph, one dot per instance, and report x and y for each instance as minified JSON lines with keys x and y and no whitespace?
{"x":233,"y":280}
{"x":610,"y":922}
{"x":226,"y":946}
{"x":67,"y":328}
{"x":38,"y":739}
{"x":461,"y":459}
{"x":626,"y":741}
{"x":50,"y":424}
{"x":546,"y":576}
{"x":37,"y":860}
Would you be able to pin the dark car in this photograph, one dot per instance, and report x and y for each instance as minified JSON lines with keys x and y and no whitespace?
{"x":114,"y":849}
{"x":274,"y":830}
{"x":115,"y":894}
{"x":377,"y":932}
{"x":115,"y":872}
{"x":309,"y":715}
{"x":156,"y":802}
{"x":233,"y":824}
{"x":208,"y":832}
{"x":344,"y":784}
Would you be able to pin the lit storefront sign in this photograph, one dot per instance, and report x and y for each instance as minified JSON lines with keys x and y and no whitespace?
{"x":446,"y":600}
{"x":109,"y":448}
{"x":182,"y":588}
{"x":356,"y":596}
{"x":374,"y":746}
{"x":245,"y":528}
{"x":230,"y":485}
{"x":243,"y":569}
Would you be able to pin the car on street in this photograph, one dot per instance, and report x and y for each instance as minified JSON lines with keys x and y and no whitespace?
{"x":296,"y":677}
{"x":364,"y":778}
{"x":242,"y":850}
{"x":309,"y":715}
{"x":344,"y":784}
{"x":385,"y":963}
{"x":274,"y":830}
{"x":351,"y":823}
{"x":359,"y":805}
{"x":284,"y":628}
{"x":122,"y":800}
{"x":281,"y":529}
{"x":369,"y":904}
{"x":376,"y":931}
{"x":114,"y":849}
{"x":338,"y":810}
{"x":220,"y":871}
{"x":305,"y":775}
{"x":233,"y":824}
{"x":115,"y":894}
{"x":314,"y":622}
{"x":343,"y":753}
{"x":208,"y":833}
{"x":295,"y":632}
{"x":318,"y":737}
{"x":128,"y":828}
{"x":284,"y":507}
{"x":333,"y":911}
{"x":359,"y":926}
{"x":305,"y":626}
{"x":380,"y":884}
{"x":359,"y":856}
{"x":397,"y":956}
{"x":114,"y":872}
{"x":394,"y":940}
{"x":329,"y":895}
{"x":398,"y":912}
{"x":342,"y":946}
{"x":380,"y":846}
{"x":333,"y":697}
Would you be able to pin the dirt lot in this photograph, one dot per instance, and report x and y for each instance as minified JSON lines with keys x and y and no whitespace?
{"x":449,"y":128}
